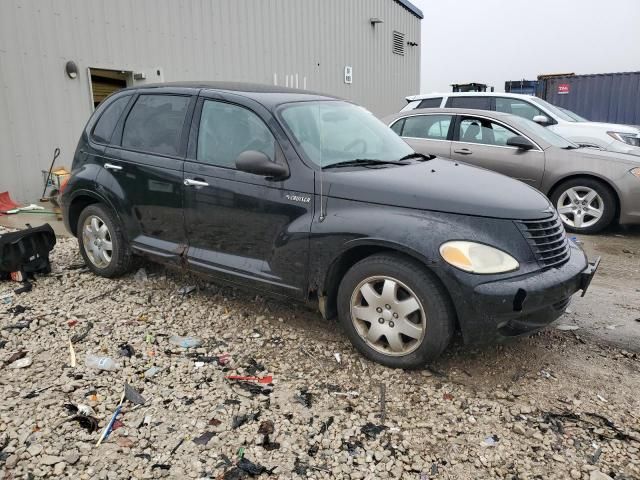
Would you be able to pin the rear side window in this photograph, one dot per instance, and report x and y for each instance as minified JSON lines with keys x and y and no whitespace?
{"x":478,"y":103}
{"x":103,"y":130}
{"x":155,"y":124}
{"x":430,"y":103}
{"x":227,"y":130}
{"x":433,"y":127}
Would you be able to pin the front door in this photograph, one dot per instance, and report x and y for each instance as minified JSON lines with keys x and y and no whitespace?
{"x":483,"y":142}
{"x":427,"y":134}
{"x":144,"y":168}
{"x":242,"y":225}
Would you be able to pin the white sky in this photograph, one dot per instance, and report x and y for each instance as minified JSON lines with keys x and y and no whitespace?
{"x":491,"y":41}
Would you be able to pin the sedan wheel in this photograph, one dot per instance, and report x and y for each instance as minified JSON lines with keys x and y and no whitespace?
{"x":96,"y":239}
{"x":388,"y":316}
{"x":580,"y":207}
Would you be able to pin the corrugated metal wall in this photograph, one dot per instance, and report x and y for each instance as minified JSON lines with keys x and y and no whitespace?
{"x":608,"y":97}
{"x":304,"y":43}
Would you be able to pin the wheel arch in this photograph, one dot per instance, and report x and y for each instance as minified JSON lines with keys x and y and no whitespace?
{"x":81,"y":201}
{"x":356,"y":251}
{"x":591,"y":176}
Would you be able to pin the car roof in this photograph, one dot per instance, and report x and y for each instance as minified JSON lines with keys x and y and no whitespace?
{"x":453,"y":111}
{"x":268,"y":95}
{"x":411,"y":98}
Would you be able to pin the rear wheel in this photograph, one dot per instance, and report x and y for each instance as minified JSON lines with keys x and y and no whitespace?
{"x":395,"y":312}
{"x":102,"y":242}
{"x":585,"y":205}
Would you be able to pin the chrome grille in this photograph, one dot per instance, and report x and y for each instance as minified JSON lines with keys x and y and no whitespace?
{"x":548,"y":240}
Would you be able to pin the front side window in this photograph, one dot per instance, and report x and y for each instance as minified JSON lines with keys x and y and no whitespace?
{"x":483,"y":131}
{"x":331,"y":132}
{"x":155,"y":124}
{"x":434,"y":127}
{"x":103,"y":130}
{"x":227,"y":130}
{"x":477,"y":103}
{"x":517,"y":107}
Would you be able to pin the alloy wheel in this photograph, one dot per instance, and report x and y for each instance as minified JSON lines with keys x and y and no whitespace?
{"x":388,"y":315}
{"x":96,"y":239}
{"x":580,"y":207}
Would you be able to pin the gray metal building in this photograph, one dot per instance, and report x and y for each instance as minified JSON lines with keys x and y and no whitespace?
{"x":364,"y":50}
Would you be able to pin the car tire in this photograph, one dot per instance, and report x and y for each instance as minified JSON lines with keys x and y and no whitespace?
{"x":102,"y":242}
{"x":589,"y":193}
{"x":380,"y":332}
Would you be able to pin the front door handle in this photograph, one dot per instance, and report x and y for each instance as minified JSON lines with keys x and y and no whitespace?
{"x":111,"y":166}
{"x":463,"y":151}
{"x":190,"y":182}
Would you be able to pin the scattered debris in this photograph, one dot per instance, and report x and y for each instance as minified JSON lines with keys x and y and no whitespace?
{"x":244,"y":378}
{"x":26,"y":287}
{"x":15,"y":357}
{"x":132,"y":395}
{"x":83,"y":334}
{"x":101,"y":363}
{"x":251,"y":468}
{"x":337,"y":357}
{"x":72,"y":355}
{"x":126,"y":350}
{"x":325,"y":425}
{"x":383,"y":409}
{"x":22,"y":324}
{"x":186,"y":290}
{"x":90,"y":424}
{"x":152,"y":372}
{"x":239,"y":420}
{"x":304,"y":398}
{"x":215,"y":422}
{"x":490,"y":441}
{"x":371,"y":430}
{"x":141,"y":276}
{"x":185,"y":342}
{"x":111,"y":425}
{"x":204,"y":438}
{"x":254,"y":367}
{"x":266,"y":428}
{"x":22,"y":363}
{"x":125,"y":442}
{"x":567,"y":328}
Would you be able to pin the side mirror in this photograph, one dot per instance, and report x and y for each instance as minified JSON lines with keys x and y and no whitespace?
{"x":520,"y":143}
{"x":252,"y":161}
{"x":542,"y":120}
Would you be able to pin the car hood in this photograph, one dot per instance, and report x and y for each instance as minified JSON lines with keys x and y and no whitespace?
{"x":440,"y":185}
{"x":609,"y":127}
{"x":602,"y":155}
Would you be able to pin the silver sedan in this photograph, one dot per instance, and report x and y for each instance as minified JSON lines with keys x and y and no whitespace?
{"x":590,"y":188}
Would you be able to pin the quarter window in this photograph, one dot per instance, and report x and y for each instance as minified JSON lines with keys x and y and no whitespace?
{"x":434,"y":127}
{"x":103,"y":130}
{"x":155,"y":124}
{"x":430,"y":103}
{"x":517,"y":107}
{"x":478,"y":103}
{"x":227,"y":130}
{"x":483,"y":131}
{"x":397,"y":127}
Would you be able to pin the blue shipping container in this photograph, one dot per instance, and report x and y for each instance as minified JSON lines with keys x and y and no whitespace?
{"x":605,"y":97}
{"x":525,"y":87}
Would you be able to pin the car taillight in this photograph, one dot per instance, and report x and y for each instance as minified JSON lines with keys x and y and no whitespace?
{"x":63,"y":184}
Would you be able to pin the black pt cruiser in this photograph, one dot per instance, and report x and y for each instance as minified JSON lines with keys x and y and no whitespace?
{"x":309,"y":197}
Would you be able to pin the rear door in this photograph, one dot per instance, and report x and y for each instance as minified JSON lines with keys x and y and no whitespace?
{"x":426,"y":133}
{"x":483,"y":142}
{"x":143,"y":170}
{"x":240,"y":225}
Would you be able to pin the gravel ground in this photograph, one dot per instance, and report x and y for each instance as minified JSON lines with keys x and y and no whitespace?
{"x":555,"y":405}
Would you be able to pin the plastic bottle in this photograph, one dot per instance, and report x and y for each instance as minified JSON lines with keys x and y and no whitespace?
{"x":101,"y":363}
{"x":185,"y":342}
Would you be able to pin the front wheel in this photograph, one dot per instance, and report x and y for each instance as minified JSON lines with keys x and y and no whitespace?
{"x":102,"y":242}
{"x":395,"y":312}
{"x":585,"y":205}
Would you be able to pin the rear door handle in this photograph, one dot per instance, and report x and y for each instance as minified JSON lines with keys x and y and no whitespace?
{"x":463,"y":151}
{"x":190,"y":182}
{"x":111,"y":166}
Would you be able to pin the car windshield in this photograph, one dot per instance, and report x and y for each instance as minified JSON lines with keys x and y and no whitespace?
{"x":529,"y":126}
{"x":574,"y":115}
{"x":557,"y":111}
{"x":333,"y":132}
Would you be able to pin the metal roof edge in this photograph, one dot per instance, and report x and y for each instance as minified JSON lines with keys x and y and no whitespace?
{"x":411,"y":7}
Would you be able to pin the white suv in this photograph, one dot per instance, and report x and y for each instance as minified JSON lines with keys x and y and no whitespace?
{"x":607,"y":136}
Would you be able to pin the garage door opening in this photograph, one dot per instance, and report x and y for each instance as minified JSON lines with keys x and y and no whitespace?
{"x":105,"y":82}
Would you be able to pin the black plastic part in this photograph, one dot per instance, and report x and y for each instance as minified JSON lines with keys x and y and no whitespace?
{"x":588,"y":274}
{"x":27,"y":251}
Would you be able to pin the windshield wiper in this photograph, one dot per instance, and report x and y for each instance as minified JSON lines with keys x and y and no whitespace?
{"x":418,"y":155}
{"x":363,"y":162}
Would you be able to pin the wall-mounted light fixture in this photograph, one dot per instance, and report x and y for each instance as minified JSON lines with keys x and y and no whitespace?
{"x":374,"y":21}
{"x":412,"y":44}
{"x":72,"y":69}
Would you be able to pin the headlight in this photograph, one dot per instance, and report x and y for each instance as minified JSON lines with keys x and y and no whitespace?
{"x":635,"y":171}
{"x":477,"y":258}
{"x":628,"y":138}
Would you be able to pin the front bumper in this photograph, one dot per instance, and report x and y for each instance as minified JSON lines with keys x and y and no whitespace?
{"x":502,"y":309}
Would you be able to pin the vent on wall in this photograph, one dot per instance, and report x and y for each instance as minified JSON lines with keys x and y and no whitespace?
{"x":398,"y":43}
